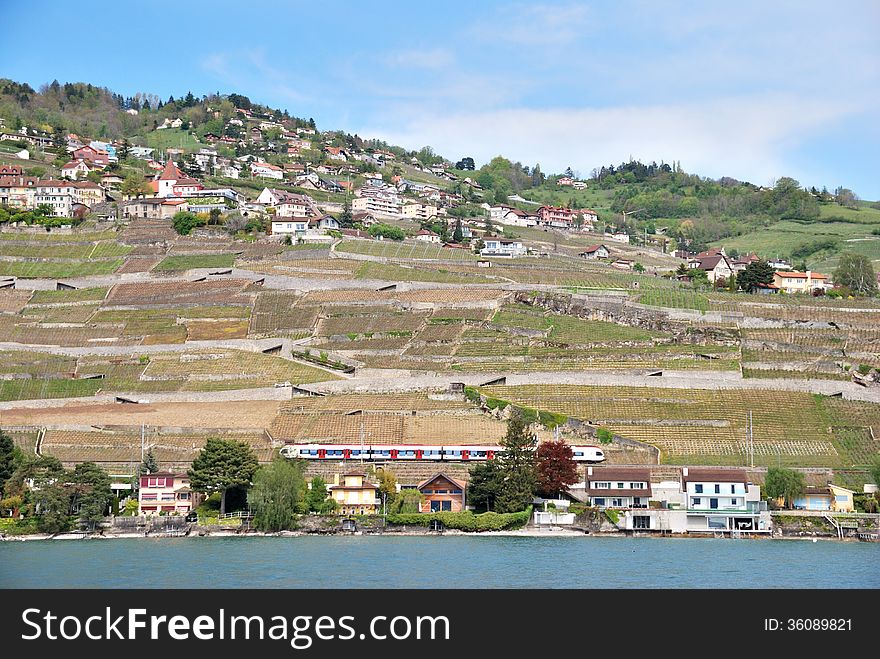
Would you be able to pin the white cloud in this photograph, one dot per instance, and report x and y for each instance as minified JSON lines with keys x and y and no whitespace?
{"x":744,"y":137}
{"x":419,"y":58}
{"x":535,"y":25}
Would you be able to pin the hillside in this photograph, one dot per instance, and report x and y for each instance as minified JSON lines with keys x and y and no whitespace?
{"x":658,"y":203}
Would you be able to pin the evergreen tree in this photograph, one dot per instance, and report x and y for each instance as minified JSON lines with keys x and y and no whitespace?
{"x":149,"y":465}
{"x":346,"y":219}
{"x":755,"y":273}
{"x":316,"y":497}
{"x":7,"y":459}
{"x":484,"y":483}
{"x":518,"y":466}
{"x":457,"y":235}
{"x":221,"y":465}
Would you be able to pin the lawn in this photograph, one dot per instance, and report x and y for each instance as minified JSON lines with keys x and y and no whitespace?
{"x":169,"y":137}
{"x":190,"y":261}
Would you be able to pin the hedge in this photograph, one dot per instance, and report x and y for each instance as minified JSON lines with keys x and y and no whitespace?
{"x":465,"y":521}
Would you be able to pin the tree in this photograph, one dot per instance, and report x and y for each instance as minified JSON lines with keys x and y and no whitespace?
{"x":638,"y":267}
{"x":465,"y":163}
{"x":875,"y":471}
{"x":134,"y":185}
{"x":855,"y":272}
{"x":557,"y":469}
{"x":184,"y":222}
{"x":518,"y":466}
{"x":346,"y":220}
{"x":457,"y":235}
{"x":757,"y":272}
{"x":846,"y":197}
{"x":90,"y":493}
{"x":276,"y":495}
{"x":407,"y":501}
{"x":316,"y":497}
{"x":7,"y":458}
{"x":785,"y":483}
{"x":484,"y":482}
{"x":149,"y":465}
{"x":52,"y":507}
{"x":387,"y":485}
{"x":221,"y":465}
{"x":387,"y":231}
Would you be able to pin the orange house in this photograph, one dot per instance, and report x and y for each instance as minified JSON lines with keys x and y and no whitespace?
{"x":442,"y":494}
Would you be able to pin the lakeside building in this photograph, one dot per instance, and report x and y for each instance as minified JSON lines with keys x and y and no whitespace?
{"x":165,"y":492}
{"x":718,"y":500}
{"x":355,"y":495}
{"x":442,"y":493}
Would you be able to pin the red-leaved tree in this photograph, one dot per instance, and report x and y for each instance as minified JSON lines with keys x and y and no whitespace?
{"x":556,"y":468}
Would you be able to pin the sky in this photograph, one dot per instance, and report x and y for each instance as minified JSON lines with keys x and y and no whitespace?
{"x":755,"y":90}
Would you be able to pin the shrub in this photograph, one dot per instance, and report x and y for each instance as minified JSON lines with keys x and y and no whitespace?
{"x":496,"y":403}
{"x":604,"y":435}
{"x":551,"y":419}
{"x":864,"y":369}
{"x":613,"y":515}
{"x":471,"y":394}
{"x":465,"y":521}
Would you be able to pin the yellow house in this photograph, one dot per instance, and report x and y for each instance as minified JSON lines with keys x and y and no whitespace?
{"x":830,"y":497}
{"x":355,"y":495}
{"x":800,"y":282}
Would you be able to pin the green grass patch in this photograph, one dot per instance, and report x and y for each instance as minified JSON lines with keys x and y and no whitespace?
{"x":190,"y":261}
{"x":57,"y":269}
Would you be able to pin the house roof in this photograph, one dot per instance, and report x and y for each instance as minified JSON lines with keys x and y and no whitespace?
{"x":710,"y":262}
{"x":800,"y":275}
{"x":715,"y":476}
{"x":440,"y":474}
{"x":593,"y":248}
{"x":170,"y":172}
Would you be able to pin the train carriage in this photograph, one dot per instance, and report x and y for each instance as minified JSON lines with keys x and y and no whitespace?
{"x":428,"y":453}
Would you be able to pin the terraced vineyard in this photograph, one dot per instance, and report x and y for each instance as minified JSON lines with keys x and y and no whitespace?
{"x":711,"y":427}
{"x":405,"y":250}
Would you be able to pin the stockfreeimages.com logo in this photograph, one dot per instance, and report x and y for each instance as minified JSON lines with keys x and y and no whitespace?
{"x":300,"y":631}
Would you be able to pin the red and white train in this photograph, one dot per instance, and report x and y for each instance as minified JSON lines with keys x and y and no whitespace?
{"x":458,"y":453}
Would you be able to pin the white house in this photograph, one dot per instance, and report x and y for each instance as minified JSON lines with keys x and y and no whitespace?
{"x":595,"y":252}
{"x":503,"y":248}
{"x":609,"y":487}
{"x":720,"y":500}
{"x":265,"y":170}
{"x":428,"y":236}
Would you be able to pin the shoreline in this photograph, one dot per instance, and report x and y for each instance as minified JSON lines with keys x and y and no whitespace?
{"x":517,"y":533}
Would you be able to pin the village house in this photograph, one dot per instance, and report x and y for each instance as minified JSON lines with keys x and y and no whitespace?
{"x":154,"y":208}
{"x":512,"y":216}
{"x":141,"y":152}
{"x":355,"y":495}
{"x":801,"y":282}
{"x":76,"y":169}
{"x":266,"y":170}
{"x":720,"y":500}
{"x":165,"y":492}
{"x":623,"y":264}
{"x":441,"y":493}
{"x":95,"y":157}
{"x":595,"y":252}
{"x":427,"y":236}
{"x":609,"y":487}
{"x":17,"y":191}
{"x":287,"y":204}
{"x":716,"y":266}
{"x":503,"y":247}
{"x":564,"y":181}
{"x":620,"y":237}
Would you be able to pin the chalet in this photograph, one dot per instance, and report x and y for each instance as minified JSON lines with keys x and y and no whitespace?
{"x":801,"y":282}
{"x":716,"y":266}
{"x":442,"y":493}
{"x":355,"y":495}
{"x":612,"y":487}
{"x":325,"y":223}
{"x":595,"y":252}
{"x":165,"y":492}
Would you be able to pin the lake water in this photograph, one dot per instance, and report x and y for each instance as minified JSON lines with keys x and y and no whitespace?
{"x":438,"y":562}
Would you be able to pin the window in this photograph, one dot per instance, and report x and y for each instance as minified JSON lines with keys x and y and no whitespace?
{"x":620,"y":486}
{"x":698,"y":488}
{"x":734,"y":502}
{"x":713,"y":504}
{"x":717,"y":488}
{"x":602,"y":485}
{"x":599,"y":501}
{"x":732,"y":488}
{"x":617,"y":503}
{"x":697,"y":501}
{"x":641,"y":522}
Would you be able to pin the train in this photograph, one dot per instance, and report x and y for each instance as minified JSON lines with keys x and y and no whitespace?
{"x":383,"y":452}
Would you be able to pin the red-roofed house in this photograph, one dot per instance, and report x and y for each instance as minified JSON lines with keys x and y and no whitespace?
{"x":441,"y":493}
{"x":92,"y":155}
{"x":428,"y":236}
{"x":75,"y":169}
{"x":595,"y":252}
{"x":801,"y":282}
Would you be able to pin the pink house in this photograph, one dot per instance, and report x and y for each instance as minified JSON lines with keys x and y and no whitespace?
{"x":92,"y":155}
{"x":165,"y":492}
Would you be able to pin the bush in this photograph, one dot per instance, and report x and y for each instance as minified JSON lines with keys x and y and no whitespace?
{"x":604,"y":435}
{"x":472,"y":395}
{"x":184,"y":222}
{"x":864,"y":369}
{"x":613,"y":515}
{"x":496,"y":403}
{"x":387,"y":231}
{"x":465,"y":521}
{"x":551,"y":419}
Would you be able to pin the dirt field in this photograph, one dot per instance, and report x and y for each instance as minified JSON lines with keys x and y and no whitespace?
{"x":256,"y":414}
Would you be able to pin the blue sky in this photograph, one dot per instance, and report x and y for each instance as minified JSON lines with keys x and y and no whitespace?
{"x":750,"y":89}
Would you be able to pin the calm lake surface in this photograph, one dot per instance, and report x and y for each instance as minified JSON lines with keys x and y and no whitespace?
{"x":432,"y":562}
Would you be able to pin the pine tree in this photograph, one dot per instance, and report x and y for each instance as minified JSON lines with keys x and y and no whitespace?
{"x":518,"y":466}
{"x":457,"y":235}
{"x":149,"y":465}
